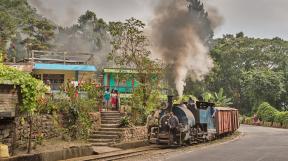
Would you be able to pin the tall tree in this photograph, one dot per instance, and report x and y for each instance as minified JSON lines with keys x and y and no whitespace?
{"x":130,"y":49}
{"x":34,"y":31}
{"x":238,"y":58}
{"x":7,"y":29}
{"x":89,"y":35}
{"x":199,"y":15}
{"x":262,"y":86}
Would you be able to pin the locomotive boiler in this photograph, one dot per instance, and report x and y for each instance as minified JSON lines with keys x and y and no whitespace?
{"x":196,"y":123}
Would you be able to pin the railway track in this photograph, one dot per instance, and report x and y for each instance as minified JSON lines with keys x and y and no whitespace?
{"x":116,"y":155}
{"x":122,"y":154}
{"x":152,"y":149}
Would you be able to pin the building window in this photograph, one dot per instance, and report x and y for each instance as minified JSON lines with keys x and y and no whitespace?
{"x":56,"y":80}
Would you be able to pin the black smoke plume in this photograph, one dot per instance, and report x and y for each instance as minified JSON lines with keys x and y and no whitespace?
{"x":181,"y":32}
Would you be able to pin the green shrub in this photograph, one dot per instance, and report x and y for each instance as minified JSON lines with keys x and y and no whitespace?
{"x":266,"y":112}
{"x":279,"y":117}
{"x":184,"y":98}
{"x":248,"y":120}
{"x":125,"y":121}
{"x":285,"y":118}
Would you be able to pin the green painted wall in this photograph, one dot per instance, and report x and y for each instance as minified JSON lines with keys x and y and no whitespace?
{"x":122,"y":88}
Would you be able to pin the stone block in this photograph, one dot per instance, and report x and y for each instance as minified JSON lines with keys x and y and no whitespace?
{"x":6,"y":133}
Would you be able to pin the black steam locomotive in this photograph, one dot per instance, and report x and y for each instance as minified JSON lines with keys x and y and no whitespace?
{"x":195,"y":124}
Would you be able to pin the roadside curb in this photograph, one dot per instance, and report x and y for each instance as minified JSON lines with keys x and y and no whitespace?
{"x":73,"y":152}
{"x":66,"y":153}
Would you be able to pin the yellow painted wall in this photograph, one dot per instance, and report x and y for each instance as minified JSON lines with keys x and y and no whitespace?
{"x":85,"y":76}
{"x":68,"y":75}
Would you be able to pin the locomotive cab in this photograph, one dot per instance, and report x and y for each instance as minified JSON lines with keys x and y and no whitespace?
{"x":205,"y":115}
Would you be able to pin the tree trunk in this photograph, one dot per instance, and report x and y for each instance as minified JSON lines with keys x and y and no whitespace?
{"x":14,"y":136}
{"x":144,"y":97}
{"x":143,"y":82}
{"x":30,"y":134}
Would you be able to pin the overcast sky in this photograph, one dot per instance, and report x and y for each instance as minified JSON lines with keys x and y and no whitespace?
{"x":259,"y":18}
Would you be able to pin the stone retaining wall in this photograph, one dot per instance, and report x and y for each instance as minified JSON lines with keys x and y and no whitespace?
{"x":44,"y":127}
{"x":96,"y":119}
{"x":63,"y":154}
{"x":6,"y":131}
{"x":134,"y":134}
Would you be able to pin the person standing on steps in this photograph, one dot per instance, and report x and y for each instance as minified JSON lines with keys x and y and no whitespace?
{"x":113,"y":99}
{"x":107,"y":98}
{"x":117,"y":105}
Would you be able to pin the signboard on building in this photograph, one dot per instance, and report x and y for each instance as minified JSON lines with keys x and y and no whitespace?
{"x":119,"y":70}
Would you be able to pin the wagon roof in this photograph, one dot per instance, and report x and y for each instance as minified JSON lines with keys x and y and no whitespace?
{"x":226,"y":109}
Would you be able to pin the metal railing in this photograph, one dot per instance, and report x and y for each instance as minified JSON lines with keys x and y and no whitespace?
{"x":59,"y":57}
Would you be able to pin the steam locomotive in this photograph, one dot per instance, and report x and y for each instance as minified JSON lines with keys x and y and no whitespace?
{"x":196,"y":124}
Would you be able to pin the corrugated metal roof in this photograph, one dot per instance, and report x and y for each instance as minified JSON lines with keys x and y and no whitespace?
{"x":86,"y":68}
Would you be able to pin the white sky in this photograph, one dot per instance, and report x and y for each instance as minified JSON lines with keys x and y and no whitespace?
{"x":259,"y":18}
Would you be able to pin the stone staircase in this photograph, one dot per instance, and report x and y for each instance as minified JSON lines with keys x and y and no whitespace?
{"x":109,"y":132}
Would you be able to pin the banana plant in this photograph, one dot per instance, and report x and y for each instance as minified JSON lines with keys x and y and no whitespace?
{"x":221,"y":100}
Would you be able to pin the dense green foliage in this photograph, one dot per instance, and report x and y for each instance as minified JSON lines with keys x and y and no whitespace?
{"x":7,"y":28}
{"x":249,"y":70}
{"x":23,"y":28}
{"x":266,"y":112}
{"x":140,"y":112}
{"x":31,"y":88}
{"x":262,"y":85}
{"x":75,"y":120}
{"x":281,"y":117}
{"x":125,"y":122}
{"x":218,"y":98}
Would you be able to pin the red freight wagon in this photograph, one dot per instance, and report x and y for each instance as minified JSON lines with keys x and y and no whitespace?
{"x":226,"y":120}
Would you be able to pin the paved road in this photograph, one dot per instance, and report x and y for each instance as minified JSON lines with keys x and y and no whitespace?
{"x":257,"y":144}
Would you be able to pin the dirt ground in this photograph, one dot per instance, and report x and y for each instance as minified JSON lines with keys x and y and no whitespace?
{"x":52,"y":145}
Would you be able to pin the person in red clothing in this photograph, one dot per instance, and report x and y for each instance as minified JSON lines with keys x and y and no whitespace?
{"x":113,"y":99}
{"x":256,"y":120}
{"x":77,"y":92}
{"x":117,"y":105}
